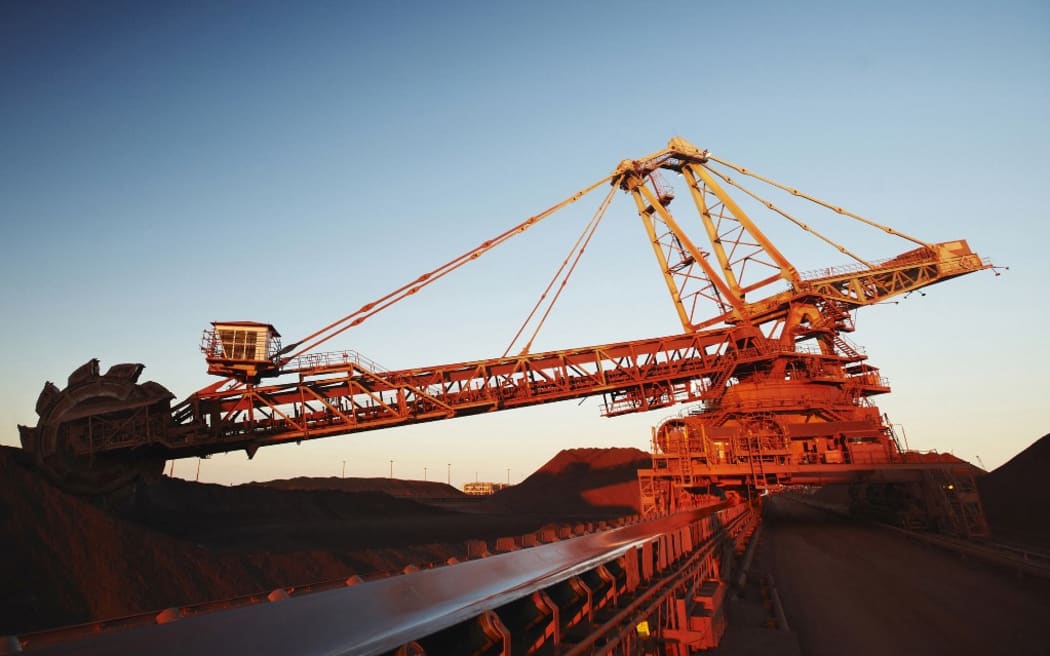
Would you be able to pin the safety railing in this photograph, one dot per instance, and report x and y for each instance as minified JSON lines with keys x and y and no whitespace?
{"x":310,"y":361}
{"x":876,"y":265}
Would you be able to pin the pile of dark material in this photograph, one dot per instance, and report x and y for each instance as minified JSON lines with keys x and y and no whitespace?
{"x":395,"y":487}
{"x":582,"y":483}
{"x":1016,"y":496}
{"x":170,"y":542}
{"x":71,"y":560}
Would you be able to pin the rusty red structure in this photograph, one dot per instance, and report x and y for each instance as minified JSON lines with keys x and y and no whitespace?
{"x":782,"y":397}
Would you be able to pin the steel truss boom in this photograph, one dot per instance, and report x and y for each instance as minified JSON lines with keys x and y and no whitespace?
{"x":334,"y":395}
{"x":747,"y":315}
{"x":344,"y":397}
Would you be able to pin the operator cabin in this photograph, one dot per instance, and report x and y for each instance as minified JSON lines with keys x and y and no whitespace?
{"x":244,"y":350}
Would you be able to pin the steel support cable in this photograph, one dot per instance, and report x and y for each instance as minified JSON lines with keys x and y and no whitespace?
{"x":565,"y":280}
{"x":813,"y":199}
{"x":357,"y":317}
{"x":578,"y":249}
{"x":801,"y":224}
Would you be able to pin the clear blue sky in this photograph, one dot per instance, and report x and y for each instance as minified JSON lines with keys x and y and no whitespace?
{"x":169,"y":164}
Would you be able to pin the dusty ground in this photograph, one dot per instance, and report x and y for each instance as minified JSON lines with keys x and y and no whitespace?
{"x":851,"y":589}
{"x":172,"y":542}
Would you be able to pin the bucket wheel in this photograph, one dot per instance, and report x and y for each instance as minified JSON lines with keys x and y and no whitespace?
{"x":95,"y":435}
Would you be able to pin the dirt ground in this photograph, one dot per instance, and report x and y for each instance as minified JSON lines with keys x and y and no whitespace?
{"x":851,"y":589}
{"x":171,"y":542}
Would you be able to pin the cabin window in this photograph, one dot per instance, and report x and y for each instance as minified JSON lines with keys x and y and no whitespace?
{"x":242,"y":343}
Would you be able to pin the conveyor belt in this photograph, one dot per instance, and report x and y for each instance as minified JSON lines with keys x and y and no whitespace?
{"x":377,"y":616}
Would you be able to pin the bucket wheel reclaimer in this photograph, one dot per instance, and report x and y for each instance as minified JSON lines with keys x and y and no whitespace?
{"x":99,"y":433}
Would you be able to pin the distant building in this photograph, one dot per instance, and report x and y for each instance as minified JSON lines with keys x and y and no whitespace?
{"x":482,"y":488}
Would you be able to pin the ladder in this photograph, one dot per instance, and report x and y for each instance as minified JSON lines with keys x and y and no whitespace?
{"x":953,"y":501}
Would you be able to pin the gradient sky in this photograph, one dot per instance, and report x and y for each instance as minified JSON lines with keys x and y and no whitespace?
{"x":165,"y":165}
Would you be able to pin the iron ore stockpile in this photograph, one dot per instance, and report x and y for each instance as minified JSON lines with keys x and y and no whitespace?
{"x":171,"y":542}
{"x":1016,"y":496}
{"x":586,"y":483}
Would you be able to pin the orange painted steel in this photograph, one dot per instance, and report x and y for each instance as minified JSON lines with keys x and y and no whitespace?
{"x":633,"y":376}
{"x":762,"y":350}
{"x":337,"y":399}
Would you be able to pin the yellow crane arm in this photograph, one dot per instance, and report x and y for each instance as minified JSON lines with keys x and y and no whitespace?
{"x":857,"y":285}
